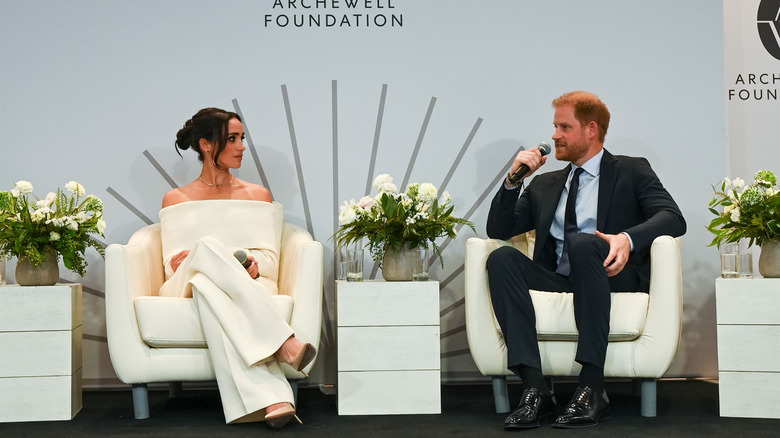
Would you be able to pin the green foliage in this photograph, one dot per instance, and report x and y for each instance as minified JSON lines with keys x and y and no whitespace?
{"x":753,"y":213}
{"x":416,"y":217}
{"x":61,"y":221}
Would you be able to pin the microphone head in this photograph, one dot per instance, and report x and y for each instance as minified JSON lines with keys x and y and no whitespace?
{"x":242,"y":258}
{"x":544,"y":148}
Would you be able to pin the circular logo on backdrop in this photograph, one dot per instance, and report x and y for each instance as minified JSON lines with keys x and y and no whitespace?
{"x":769,"y":25}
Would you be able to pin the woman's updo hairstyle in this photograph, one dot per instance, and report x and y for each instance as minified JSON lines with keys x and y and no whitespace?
{"x":210,"y":124}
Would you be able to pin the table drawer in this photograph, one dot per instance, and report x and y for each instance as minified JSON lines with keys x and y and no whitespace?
{"x":46,"y":353}
{"x":372,"y":303}
{"x":748,"y":348}
{"x":389,"y":348}
{"x":751,"y":395}
{"x":389,"y":392}
{"x":748,"y":301}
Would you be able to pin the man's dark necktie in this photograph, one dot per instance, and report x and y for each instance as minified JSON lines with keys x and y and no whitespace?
{"x":569,"y":223}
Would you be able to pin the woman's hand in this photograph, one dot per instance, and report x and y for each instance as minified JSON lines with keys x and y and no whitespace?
{"x":178,"y":258}
{"x":253,"y":269}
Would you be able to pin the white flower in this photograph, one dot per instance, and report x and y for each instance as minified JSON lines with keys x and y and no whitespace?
{"x":384,"y":184}
{"x":735,"y":215}
{"x":57,"y":221}
{"x":72,"y":224}
{"x":387,"y":188}
{"x":445,"y":198}
{"x":21,"y":188}
{"x":347,"y":214}
{"x":365,"y":203}
{"x":47,"y":201}
{"x":727,"y":209}
{"x":82,"y":217}
{"x":428,"y":191}
{"x":381,"y":180}
{"x":76,"y":188}
{"x":54,"y":236}
{"x":423,"y":206}
{"x":101,"y":226}
{"x":737,"y":182}
{"x":771,"y":192}
{"x":39,"y":215}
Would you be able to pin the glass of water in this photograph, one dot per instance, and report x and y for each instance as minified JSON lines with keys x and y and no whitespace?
{"x":420,"y":264}
{"x":729,"y":260}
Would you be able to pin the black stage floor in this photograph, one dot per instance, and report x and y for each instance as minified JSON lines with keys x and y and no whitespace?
{"x":685,"y":408}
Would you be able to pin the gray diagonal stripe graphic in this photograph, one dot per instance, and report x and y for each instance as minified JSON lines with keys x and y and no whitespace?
{"x":88,"y":337}
{"x":91,"y":291}
{"x":462,"y":152}
{"x":129,"y":206}
{"x":452,"y":332}
{"x":297,"y":156}
{"x":160,"y":169}
{"x":452,"y":276}
{"x":335,"y":139}
{"x":251,"y":146}
{"x":463,"y":352}
{"x":417,"y":146}
{"x":451,"y":307}
{"x":379,"y":116}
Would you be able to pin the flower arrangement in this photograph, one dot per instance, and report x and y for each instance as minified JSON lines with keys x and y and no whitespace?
{"x":60,"y":221}
{"x":749,"y":211}
{"x":390,"y":219}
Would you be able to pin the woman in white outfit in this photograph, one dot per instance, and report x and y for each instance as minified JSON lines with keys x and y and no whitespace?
{"x":203,"y":223}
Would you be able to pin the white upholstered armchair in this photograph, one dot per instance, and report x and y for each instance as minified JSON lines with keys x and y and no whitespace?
{"x":159,"y":339}
{"x":644,"y":328}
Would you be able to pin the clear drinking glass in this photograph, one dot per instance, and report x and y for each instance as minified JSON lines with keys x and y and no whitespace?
{"x":745,"y":259}
{"x":355,"y":264}
{"x":419,"y":264}
{"x":341,"y":263}
{"x":729,"y":260}
{"x":3,"y":278}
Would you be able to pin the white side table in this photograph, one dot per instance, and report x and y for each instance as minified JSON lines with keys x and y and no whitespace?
{"x":748,"y":315}
{"x":40,"y":352}
{"x":388,"y":347}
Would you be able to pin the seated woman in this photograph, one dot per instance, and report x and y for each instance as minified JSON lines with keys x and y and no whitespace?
{"x":203,"y":224}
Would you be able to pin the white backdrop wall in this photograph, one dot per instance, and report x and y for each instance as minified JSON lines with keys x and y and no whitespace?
{"x":96,"y":90}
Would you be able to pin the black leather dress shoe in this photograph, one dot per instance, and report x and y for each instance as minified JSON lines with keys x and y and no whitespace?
{"x":586,"y":408}
{"x":534,"y":407}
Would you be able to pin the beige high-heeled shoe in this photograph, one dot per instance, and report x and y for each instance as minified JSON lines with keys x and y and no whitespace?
{"x":303,"y":358}
{"x":278,"y":418}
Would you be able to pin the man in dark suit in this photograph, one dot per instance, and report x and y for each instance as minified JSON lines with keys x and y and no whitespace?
{"x":595,"y":221}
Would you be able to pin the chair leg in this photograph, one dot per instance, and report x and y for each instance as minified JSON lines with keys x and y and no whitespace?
{"x":140,"y":401}
{"x":500,"y":394}
{"x":648,"y":397}
{"x":174,"y":389}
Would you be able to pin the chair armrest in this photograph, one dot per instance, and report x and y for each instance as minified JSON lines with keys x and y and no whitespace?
{"x":132,"y":270}
{"x":483,"y":338}
{"x":301,"y":277}
{"x":663,"y":327}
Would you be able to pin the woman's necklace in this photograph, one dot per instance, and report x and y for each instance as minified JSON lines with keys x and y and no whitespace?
{"x":216,"y":185}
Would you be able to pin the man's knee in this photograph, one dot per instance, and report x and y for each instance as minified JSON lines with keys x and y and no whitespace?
{"x":585,"y":245}
{"x":501,"y":258}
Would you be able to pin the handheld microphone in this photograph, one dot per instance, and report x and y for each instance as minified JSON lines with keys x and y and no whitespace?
{"x":242,"y":258}
{"x":515,"y":178}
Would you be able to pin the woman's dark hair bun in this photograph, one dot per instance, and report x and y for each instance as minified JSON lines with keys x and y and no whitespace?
{"x":184,"y":136}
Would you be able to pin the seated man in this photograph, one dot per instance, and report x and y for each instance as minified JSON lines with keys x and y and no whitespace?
{"x":595,"y":221}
